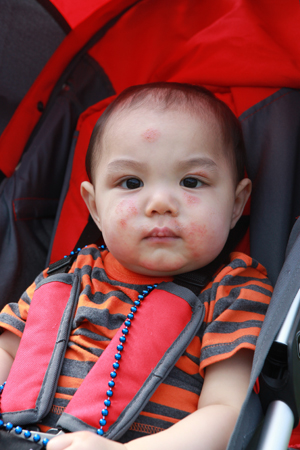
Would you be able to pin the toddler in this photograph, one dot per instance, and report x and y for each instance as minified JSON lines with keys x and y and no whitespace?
{"x":166,"y":187}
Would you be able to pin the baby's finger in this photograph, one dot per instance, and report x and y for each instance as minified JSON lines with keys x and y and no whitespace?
{"x":60,"y":442}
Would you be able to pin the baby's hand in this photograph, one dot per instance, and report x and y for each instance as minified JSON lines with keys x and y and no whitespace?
{"x":82,"y":440}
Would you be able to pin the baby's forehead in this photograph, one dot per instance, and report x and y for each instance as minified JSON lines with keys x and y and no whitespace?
{"x":151,"y":122}
{"x":201,"y":114}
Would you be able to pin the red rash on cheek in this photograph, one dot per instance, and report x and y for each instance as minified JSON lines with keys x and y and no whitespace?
{"x":123,"y":223}
{"x":131,"y":210}
{"x":197,"y":231}
{"x":124,"y":211}
{"x":126,"y":208}
{"x":151,"y":135}
{"x":196,"y":236}
{"x":191,"y":199}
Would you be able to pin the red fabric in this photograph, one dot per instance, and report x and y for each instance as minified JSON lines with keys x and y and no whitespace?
{"x":17,"y":396}
{"x":27,"y":114}
{"x":76,"y":11}
{"x":148,"y":340}
{"x":74,"y":215}
{"x":242,"y":50}
{"x":295,"y":439}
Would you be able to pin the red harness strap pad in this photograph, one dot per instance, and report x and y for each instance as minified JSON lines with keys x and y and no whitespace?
{"x":164,"y":325}
{"x":40,"y":354}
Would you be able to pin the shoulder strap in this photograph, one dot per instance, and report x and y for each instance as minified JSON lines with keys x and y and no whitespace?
{"x":171,"y":324}
{"x":170,"y":317}
{"x":29,"y":389}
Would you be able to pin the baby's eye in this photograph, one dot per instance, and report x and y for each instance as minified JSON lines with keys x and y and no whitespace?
{"x":191,"y":182}
{"x":131,"y":183}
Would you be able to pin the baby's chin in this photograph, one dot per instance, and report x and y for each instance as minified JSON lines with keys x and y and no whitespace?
{"x":161,"y":269}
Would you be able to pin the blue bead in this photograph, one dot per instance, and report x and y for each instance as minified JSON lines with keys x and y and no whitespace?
{"x":9,"y":426}
{"x":130,"y":316}
{"x":125,"y":331}
{"x":100,"y":432}
{"x":137,"y":303}
{"x":36,"y":438}
{"x":145,"y":292}
{"x":116,"y":365}
{"x":18,"y":430}
{"x":150,"y":287}
{"x":45,"y":442}
{"x":111,"y":383}
{"x":122,"y":339}
{"x":113,"y":374}
{"x":109,"y":393}
{"x":72,"y":253}
{"x":1,"y":423}
{"x":118,"y":356}
{"x":104,"y":412}
{"x":155,"y":285}
{"x":127,"y":323}
{"x":107,"y":402}
{"x":65,"y":256}
{"x":27,"y":434}
{"x":102,"y":422}
{"x":120,"y":347}
{"x":133,"y":309}
{"x":140,"y":297}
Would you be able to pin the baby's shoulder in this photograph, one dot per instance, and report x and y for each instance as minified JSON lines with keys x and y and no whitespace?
{"x":243,"y":266}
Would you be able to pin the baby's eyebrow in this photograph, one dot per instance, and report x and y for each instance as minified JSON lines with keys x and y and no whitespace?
{"x":123,"y":164}
{"x":203,"y":162}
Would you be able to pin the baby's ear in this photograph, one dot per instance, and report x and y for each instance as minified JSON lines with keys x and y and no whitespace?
{"x":242,"y":194}
{"x":88,"y":194}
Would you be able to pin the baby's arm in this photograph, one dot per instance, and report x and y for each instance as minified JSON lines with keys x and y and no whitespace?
{"x":9,"y":344}
{"x":209,"y":427}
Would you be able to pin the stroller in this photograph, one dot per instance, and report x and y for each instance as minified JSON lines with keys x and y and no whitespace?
{"x":41,"y":161}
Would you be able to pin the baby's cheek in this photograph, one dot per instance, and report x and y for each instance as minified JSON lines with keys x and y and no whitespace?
{"x":125,"y":210}
{"x":123,"y":223}
{"x":191,"y":200}
{"x":196,"y":235}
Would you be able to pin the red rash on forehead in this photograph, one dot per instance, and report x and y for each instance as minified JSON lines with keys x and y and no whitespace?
{"x":151,"y":135}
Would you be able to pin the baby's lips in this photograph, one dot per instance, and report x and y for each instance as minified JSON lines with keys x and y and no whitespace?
{"x":162,"y":232}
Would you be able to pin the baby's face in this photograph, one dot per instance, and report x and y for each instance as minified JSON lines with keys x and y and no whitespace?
{"x":164,"y":193}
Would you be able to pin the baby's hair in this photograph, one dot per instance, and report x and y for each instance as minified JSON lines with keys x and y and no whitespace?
{"x":180,"y":96}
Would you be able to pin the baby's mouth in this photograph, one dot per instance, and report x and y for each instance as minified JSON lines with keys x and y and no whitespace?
{"x":164,"y":232}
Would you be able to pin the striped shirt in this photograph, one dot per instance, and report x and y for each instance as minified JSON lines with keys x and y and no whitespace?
{"x":235,"y":304}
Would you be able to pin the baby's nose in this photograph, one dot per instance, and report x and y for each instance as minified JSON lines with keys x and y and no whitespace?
{"x":162,"y":202}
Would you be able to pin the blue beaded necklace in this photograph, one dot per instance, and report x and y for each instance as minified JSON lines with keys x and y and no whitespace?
{"x":113,"y":374}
